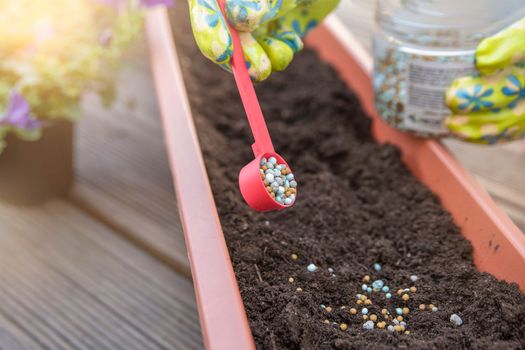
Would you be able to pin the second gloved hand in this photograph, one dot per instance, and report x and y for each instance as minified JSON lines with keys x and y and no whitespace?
{"x":490,"y":108}
{"x":271,"y":31}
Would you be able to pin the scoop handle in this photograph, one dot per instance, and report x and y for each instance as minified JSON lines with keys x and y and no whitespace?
{"x":263,"y":142}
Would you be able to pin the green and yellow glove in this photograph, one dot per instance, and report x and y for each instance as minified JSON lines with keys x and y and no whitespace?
{"x":490,"y":108}
{"x":271,"y":31}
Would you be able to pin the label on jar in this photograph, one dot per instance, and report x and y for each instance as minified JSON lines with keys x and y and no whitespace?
{"x":427,"y":81}
{"x":410,"y":85}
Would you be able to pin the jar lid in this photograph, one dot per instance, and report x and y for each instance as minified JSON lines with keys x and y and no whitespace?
{"x":480,"y":14}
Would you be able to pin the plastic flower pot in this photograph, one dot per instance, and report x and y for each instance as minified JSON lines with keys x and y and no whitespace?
{"x":32,"y":172}
{"x":499,"y":246}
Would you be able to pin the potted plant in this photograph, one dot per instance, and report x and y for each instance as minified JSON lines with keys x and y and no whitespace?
{"x":52,"y":52}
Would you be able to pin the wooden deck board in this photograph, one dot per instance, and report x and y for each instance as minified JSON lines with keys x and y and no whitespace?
{"x":123,"y":176}
{"x":358,"y":15}
{"x":72,"y":283}
{"x":12,"y":337}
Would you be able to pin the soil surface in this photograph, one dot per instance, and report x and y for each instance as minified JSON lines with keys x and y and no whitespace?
{"x":357,"y":205}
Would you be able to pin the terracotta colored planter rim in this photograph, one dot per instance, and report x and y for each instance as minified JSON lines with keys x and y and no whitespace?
{"x":499,"y":246}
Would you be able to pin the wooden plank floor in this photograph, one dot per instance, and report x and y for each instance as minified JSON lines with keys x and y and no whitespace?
{"x":499,"y":169}
{"x":68,"y":282}
{"x":123,"y":176}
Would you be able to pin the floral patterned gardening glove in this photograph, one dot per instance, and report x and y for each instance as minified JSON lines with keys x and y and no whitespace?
{"x":271,"y":31}
{"x":490,"y":108}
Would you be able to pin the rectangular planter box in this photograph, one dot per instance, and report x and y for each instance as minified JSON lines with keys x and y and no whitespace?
{"x":499,"y":246}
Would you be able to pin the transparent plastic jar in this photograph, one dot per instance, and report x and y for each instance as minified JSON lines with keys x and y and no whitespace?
{"x":420,"y":46}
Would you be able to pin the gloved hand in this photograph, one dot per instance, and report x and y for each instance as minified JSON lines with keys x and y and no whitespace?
{"x":270,"y":30}
{"x":490,"y":108}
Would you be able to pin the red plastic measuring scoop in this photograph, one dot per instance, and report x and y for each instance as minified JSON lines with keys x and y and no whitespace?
{"x":252,"y":187}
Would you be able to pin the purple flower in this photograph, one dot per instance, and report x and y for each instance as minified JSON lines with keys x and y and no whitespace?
{"x":106,"y":37}
{"x":18,"y":114}
{"x":143,"y":3}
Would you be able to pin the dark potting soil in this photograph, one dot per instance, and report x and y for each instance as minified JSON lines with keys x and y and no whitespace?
{"x":357,"y":205}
